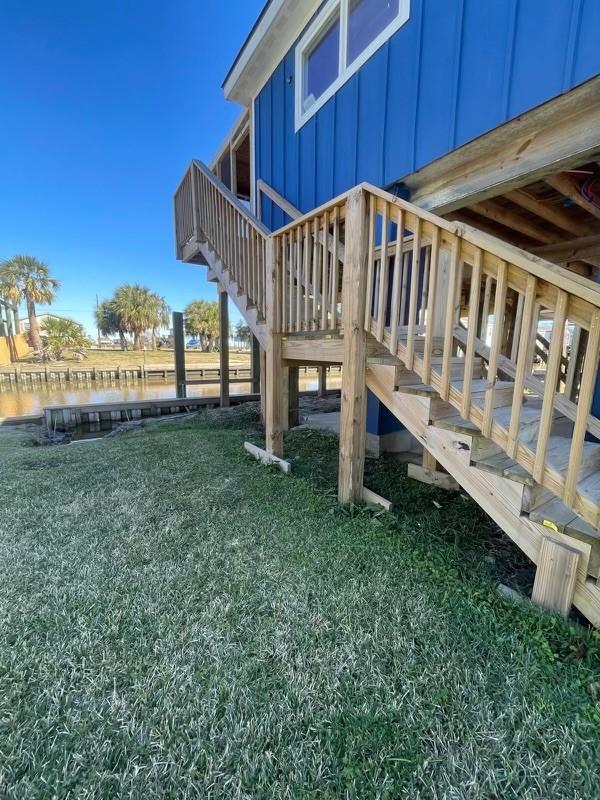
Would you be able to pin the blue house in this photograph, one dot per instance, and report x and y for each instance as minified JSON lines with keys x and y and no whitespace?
{"x":412,"y":191}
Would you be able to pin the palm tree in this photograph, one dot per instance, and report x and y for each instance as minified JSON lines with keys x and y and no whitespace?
{"x":108,"y":321}
{"x":26,"y":278}
{"x":61,"y":333}
{"x":140,"y":310}
{"x":202,"y":320}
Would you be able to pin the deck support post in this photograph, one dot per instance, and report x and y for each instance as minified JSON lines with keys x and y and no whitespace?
{"x":322,"y":385}
{"x":293,"y":397}
{"x":276,"y":375}
{"x":255,"y":365}
{"x":353,"y":432}
{"x":224,"y":347}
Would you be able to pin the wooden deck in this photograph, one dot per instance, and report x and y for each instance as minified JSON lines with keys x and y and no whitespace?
{"x":439,"y":320}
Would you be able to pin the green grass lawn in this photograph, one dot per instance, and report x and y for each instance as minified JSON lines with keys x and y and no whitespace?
{"x":178,"y":621}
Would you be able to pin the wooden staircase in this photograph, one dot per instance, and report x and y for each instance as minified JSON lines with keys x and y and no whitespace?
{"x":440,"y":322}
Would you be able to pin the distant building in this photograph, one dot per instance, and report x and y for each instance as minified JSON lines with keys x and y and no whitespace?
{"x":41,"y":319}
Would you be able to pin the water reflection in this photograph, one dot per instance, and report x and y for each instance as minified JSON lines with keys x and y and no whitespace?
{"x":31,"y":400}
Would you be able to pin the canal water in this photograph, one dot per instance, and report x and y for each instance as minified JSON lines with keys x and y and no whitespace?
{"x":31,"y":400}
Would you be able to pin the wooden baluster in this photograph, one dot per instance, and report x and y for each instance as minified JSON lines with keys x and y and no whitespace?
{"x":499,"y":304}
{"x":431,"y":303}
{"x":325,"y":274}
{"x":292,"y":299}
{"x":384,"y":266}
{"x":572,"y":364}
{"x":396,"y":281}
{"x":552,"y":373}
{"x":316,"y":282}
{"x":474,"y":297}
{"x":586,"y":395}
{"x":423,"y":304}
{"x":523,"y":366}
{"x":453,"y":289}
{"x":307,"y":271}
{"x":414,"y":293}
{"x":335,"y":270}
{"x":299,"y":269}
{"x":517,"y":333}
{"x":404,"y":291}
{"x":371,"y":261}
{"x":284,"y":283}
{"x":485,"y":314}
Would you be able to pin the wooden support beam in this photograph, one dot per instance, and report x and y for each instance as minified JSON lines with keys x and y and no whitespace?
{"x":551,"y":213}
{"x":565,"y":185}
{"x":267,"y":458}
{"x":255,"y":364}
{"x":555,"y":576}
{"x":293,"y":397}
{"x":573,"y":250}
{"x":557,"y":135}
{"x":275,"y":420}
{"x":431,"y":472}
{"x":374,"y":499}
{"x":354,"y":393}
{"x":514,"y":220}
{"x":322,"y":386}
{"x":224,"y":347}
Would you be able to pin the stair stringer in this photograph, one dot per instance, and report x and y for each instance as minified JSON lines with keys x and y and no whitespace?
{"x":499,"y":497}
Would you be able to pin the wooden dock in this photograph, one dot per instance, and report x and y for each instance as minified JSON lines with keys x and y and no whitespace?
{"x":12,"y":377}
{"x":68,"y":417}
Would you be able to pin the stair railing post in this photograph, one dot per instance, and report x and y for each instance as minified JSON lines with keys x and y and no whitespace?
{"x":276,"y":392}
{"x":354,"y":392}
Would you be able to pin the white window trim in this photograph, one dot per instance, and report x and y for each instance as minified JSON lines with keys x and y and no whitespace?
{"x":345,"y":73}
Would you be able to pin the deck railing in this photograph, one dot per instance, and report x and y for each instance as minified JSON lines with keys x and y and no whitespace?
{"x":206,"y":211}
{"x":451,"y":303}
{"x":447,"y":301}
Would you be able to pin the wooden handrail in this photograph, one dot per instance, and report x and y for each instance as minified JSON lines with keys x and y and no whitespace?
{"x":263,"y":188}
{"x":231,"y":198}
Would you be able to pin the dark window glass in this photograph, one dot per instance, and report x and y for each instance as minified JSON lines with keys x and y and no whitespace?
{"x":367,"y":19}
{"x":322,"y":64}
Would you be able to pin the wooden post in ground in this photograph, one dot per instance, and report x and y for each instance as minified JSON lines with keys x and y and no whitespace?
{"x":322,"y":385}
{"x":294,"y":397}
{"x":255,"y":365}
{"x":353,"y":415}
{"x":263,"y":385}
{"x":179,"y":347}
{"x":555,"y":576}
{"x":276,"y":393}
{"x":224,"y":347}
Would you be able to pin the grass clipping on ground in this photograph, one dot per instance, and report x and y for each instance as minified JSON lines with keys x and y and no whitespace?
{"x":180,"y":621}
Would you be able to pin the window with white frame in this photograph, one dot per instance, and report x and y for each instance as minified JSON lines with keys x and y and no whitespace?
{"x":342,"y":37}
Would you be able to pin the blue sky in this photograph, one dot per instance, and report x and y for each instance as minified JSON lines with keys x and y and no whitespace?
{"x":103,"y":103}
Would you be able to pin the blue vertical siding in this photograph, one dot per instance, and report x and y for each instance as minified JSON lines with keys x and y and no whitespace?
{"x":457,"y":69}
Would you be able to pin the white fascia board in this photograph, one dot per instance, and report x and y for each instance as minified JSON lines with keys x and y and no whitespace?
{"x":277,"y":31}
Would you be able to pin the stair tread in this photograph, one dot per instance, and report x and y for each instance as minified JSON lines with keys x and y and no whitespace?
{"x":456,"y":423}
{"x":481,"y":385}
{"x":590,"y":487}
{"x":503,"y":465}
{"x":563,"y":518}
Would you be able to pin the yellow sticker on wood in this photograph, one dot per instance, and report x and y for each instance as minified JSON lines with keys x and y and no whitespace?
{"x":549,"y":524}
